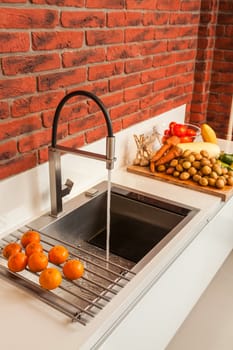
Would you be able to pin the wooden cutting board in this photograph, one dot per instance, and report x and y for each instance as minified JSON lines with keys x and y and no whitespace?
{"x":224,"y":193}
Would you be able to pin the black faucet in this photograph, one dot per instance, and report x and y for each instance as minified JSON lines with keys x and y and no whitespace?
{"x":56,"y":189}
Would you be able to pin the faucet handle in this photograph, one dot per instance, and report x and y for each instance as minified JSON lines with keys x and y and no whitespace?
{"x":67,"y":187}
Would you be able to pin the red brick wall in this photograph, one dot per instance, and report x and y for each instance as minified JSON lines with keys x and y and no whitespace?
{"x":138,"y":56}
{"x":221,"y":87}
{"x":213,"y":88}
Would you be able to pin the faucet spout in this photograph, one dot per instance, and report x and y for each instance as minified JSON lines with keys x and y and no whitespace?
{"x":56,"y":190}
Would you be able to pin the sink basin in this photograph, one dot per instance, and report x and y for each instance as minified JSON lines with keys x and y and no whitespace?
{"x":140,"y":224}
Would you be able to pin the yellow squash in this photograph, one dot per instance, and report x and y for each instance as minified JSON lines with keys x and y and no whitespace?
{"x":211,"y":148}
{"x":208,"y":134}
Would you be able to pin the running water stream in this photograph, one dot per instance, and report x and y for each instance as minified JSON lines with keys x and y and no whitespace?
{"x":108,"y":215}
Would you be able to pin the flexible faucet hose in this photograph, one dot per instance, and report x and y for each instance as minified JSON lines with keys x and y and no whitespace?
{"x":69,"y":96}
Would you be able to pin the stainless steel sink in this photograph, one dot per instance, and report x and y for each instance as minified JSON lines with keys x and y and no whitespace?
{"x":141,"y":225}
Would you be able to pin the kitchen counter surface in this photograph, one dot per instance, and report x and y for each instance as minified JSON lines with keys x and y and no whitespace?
{"x":173,"y":277}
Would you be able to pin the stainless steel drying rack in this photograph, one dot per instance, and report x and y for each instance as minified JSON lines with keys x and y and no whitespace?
{"x":81,"y":300}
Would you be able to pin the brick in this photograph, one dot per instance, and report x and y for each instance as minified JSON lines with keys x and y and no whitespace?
{"x":168,"y":5}
{"x":17,"y":87}
{"x":138,"y":65}
{"x":184,"y":78}
{"x":164,"y":59}
{"x":68,"y":112}
{"x":139,"y":34}
{"x":229,"y":30}
{"x":62,"y":79}
{"x":35,"y":103}
{"x":83,"y":57}
{"x":161,"y":108}
{"x":152,"y":75}
{"x":137,"y":92}
{"x":39,"y":138}
{"x":116,"y":19}
{"x":124,"y":109}
{"x":155,"y":18}
{"x":226,"y":5}
{"x":173,"y":92}
{"x":95,"y":134}
{"x":104,"y":37}
{"x":166,"y":32}
{"x":98,"y":88}
{"x":83,"y":19}
{"x":8,"y":149}
{"x":152,"y":48}
{"x":175,"y":45}
{"x":135,"y":118}
{"x":18,"y":165}
{"x":209,"y":5}
{"x":217,"y":107}
{"x":122,"y":51}
{"x":82,"y":124}
{"x":223,"y":78}
{"x":74,"y":142}
{"x":152,"y":100}
{"x":4,"y":110}
{"x":224,"y":43}
{"x":124,"y":82}
{"x":225,"y":18}
{"x":73,"y":3}
{"x":190,"y":31}
{"x":143,"y":4}
{"x":228,"y":56}
{"x":117,"y":125}
{"x":56,"y":40}
{"x":28,"y":64}
{"x":184,"y":18}
{"x":105,"y":70}
{"x":190,"y":5}
{"x":134,"y":18}
{"x":28,"y":18}
{"x":223,"y":67}
{"x":113,"y":99}
{"x":14,"y":42}
{"x":185,"y":56}
{"x":19,"y":126}
{"x":43,"y":155}
{"x":13,"y":1}
{"x":176,"y":69}
{"x":163,"y":84}
{"x":113,"y":4}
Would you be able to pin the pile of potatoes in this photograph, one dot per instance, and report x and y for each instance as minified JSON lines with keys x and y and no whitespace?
{"x":200,"y":168}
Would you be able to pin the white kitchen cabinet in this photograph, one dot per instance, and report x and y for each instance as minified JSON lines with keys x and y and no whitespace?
{"x":158,"y":315}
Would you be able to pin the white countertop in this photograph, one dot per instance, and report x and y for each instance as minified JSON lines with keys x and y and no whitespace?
{"x":47,"y":327}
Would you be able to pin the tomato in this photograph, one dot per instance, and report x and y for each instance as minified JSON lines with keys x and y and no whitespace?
{"x":185,"y":139}
{"x":171,"y":128}
{"x":167,"y":132}
{"x":191,"y":132}
{"x":180,"y":130}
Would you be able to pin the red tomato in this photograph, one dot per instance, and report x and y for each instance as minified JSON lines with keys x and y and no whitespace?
{"x":180,"y":130}
{"x":185,"y":139}
{"x":190,"y":132}
{"x":171,"y":128}
{"x":167,"y":132}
